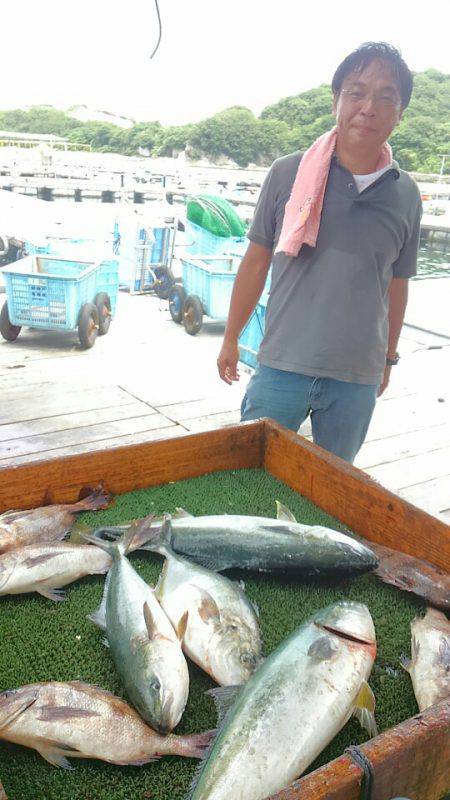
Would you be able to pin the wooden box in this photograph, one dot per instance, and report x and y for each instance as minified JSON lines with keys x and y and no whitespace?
{"x":411,"y":760}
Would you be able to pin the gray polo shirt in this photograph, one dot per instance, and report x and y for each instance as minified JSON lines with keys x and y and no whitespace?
{"x":327,"y":313}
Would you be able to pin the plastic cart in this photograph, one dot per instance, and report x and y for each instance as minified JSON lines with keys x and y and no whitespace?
{"x":59,"y":294}
{"x":206,"y":289}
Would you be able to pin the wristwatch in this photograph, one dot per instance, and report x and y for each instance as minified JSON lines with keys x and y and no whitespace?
{"x":392,"y":362}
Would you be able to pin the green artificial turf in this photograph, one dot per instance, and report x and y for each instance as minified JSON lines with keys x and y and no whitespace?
{"x":45,"y":641}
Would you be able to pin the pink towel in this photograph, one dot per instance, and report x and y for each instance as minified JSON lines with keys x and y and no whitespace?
{"x":303,"y":210}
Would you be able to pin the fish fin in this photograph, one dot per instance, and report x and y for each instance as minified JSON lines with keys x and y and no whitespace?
{"x":284,"y":513}
{"x":99,"y":617}
{"x":150,"y":623}
{"x":364,"y":710}
{"x":181,"y":513}
{"x":241,"y":584}
{"x":200,"y":767}
{"x":208,"y":609}
{"x":13,"y":704}
{"x":224,"y":698}
{"x":255,"y":607}
{"x":51,"y":754}
{"x":105,"y":642}
{"x":57,"y":595}
{"x":159,"y":540}
{"x":140,"y":532}
{"x":405,"y":663}
{"x":210,"y":561}
{"x":140,"y":762}
{"x":182,"y":625}
{"x":92,"y":499}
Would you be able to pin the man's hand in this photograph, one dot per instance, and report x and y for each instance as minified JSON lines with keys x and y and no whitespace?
{"x":385,"y":381}
{"x":227,"y":362}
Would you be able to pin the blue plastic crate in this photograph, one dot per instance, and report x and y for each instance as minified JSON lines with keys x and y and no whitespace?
{"x":46,"y":292}
{"x":252,"y":335}
{"x":203,"y":243}
{"x":211,"y":283}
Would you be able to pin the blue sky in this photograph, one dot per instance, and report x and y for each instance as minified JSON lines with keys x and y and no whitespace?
{"x":213,"y":54}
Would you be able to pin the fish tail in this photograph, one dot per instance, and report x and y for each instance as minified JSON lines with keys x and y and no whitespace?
{"x":96,"y":499}
{"x":195,"y":745}
{"x":141,"y":532}
{"x":124,"y":541}
{"x":159,"y":540}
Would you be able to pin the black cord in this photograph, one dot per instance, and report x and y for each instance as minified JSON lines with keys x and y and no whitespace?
{"x":363,"y":763}
{"x":160,"y":29}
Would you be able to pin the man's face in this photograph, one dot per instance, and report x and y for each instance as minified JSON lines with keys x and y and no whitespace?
{"x":368,"y":106}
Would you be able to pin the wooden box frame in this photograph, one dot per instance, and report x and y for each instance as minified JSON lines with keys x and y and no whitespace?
{"x":411,"y":760}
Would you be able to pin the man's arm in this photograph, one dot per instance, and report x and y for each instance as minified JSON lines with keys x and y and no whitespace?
{"x":247,"y":290}
{"x":398,"y":299}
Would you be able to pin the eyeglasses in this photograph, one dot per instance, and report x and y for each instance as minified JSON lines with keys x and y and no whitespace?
{"x":385,"y":102}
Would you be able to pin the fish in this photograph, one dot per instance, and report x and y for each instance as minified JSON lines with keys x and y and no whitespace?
{"x":273,"y":727}
{"x":45,"y":568}
{"x":429,"y":666}
{"x":46,"y":524}
{"x":262,"y":544}
{"x":10,"y":709}
{"x":411,"y":574}
{"x":78,"y":720}
{"x":222,"y":633}
{"x":144,"y":646}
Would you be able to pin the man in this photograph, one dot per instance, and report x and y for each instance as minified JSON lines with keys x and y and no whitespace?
{"x":341,"y":227}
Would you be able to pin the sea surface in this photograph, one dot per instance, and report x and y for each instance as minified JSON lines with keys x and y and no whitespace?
{"x":433,"y":261}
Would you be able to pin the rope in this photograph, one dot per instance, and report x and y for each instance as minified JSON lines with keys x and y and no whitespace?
{"x":366,"y":766}
{"x":160,"y":29}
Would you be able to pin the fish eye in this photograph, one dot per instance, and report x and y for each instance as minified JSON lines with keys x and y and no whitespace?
{"x":232,"y":627}
{"x":247,"y":658}
{"x":155,"y":684}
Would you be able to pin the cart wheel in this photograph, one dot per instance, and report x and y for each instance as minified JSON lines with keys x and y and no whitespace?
{"x":8,"y":331}
{"x":165,"y":281}
{"x":103,"y":304}
{"x":192,"y":314}
{"x":177,"y":297}
{"x":88,"y":325}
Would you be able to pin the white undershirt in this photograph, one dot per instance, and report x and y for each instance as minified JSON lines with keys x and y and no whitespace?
{"x":363,"y":181}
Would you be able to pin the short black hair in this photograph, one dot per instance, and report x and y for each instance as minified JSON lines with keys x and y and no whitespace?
{"x":360,"y":58}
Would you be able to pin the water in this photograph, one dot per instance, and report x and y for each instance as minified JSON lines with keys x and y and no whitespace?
{"x":433,"y":261}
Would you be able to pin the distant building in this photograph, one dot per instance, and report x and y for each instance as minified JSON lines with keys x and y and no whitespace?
{"x":20,"y":139}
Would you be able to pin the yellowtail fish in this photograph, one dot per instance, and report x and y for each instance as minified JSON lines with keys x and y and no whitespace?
{"x":222,"y":631}
{"x":429,"y":666}
{"x":261,"y":544}
{"x":291,"y":708}
{"x":142,"y":641}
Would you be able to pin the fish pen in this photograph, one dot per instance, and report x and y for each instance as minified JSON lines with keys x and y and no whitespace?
{"x":234,"y":470}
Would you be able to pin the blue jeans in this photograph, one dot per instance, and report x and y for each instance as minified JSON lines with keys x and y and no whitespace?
{"x":340,"y":411}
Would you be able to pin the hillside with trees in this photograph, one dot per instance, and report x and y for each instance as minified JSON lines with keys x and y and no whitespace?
{"x":237,"y":134}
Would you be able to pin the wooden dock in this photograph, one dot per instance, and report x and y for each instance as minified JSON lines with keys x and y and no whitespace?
{"x":148,"y":379}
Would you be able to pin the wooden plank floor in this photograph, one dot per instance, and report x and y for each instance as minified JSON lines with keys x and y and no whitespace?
{"x":148,"y":379}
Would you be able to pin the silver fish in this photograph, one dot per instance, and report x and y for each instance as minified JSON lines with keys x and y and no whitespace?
{"x":262,"y":544}
{"x":429,"y":666}
{"x":222,"y":632}
{"x":296,"y":702}
{"x":77,"y":720}
{"x":146,"y":651}
{"x":46,"y":524}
